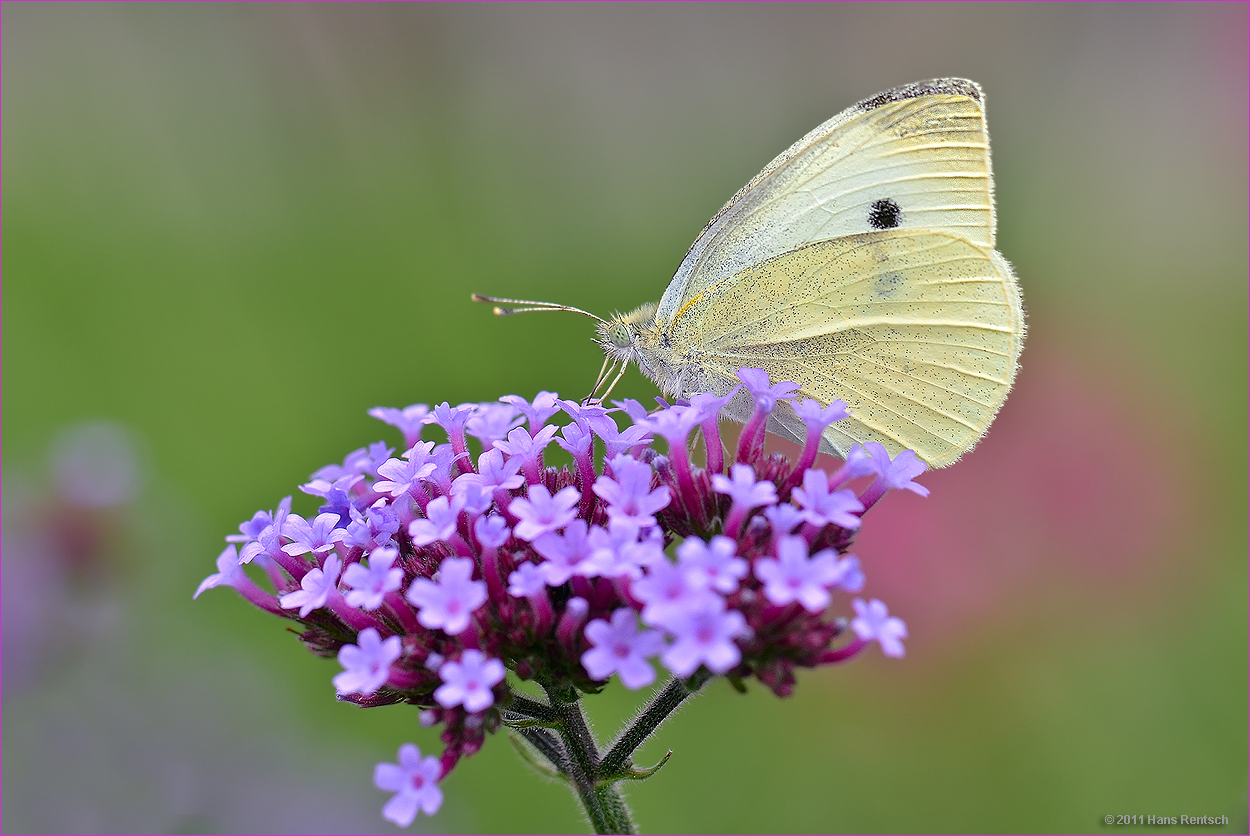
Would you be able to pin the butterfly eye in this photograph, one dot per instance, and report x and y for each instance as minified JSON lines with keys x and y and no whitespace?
{"x":884,"y":214}
{"x":619,"y":334}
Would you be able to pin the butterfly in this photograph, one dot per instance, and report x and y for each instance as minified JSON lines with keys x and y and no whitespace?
{"x":859,"y":264}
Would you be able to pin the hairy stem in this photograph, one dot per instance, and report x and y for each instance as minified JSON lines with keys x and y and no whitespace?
{"x":664,"y":703}
{"x":568,"y":745}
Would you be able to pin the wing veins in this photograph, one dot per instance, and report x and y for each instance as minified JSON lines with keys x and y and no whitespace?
{"x":938,"y":386}
{"x":877,"y":428}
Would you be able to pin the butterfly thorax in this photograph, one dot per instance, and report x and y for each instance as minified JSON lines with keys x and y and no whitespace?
{"x":637,"y":337}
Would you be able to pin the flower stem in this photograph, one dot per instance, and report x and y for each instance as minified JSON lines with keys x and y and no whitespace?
{"x":559,"y":733}
{"x":616,"y":813}
{"x":664,"y":703}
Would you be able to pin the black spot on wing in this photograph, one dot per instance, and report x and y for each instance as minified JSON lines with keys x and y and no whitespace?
{"x":884,"y":214}
{"x":887,"y":284}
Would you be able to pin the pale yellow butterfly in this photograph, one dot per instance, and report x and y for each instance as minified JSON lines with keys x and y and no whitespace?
{"x":859,"y":264}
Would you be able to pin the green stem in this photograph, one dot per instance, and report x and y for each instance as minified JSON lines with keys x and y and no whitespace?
{"x":568,"y":745}
{"x":578,"y":740}
{"x":664,"y":703}
{"x":532,"y":709}
{"x":549,"y":747}
{"x":603,"y":803}
{"x":616,"y":812}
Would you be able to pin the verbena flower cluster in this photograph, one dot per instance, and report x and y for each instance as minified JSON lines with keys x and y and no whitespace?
{"x":432,"y":574}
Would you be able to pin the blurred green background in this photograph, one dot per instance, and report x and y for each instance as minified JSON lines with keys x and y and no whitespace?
{"x":232,"y":229}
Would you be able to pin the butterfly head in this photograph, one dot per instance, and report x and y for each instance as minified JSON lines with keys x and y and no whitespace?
{"x":619,"y":336}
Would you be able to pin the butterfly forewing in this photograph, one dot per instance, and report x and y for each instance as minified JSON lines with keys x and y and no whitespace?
{"x":916,"y":157}
{"x":919,"y":332}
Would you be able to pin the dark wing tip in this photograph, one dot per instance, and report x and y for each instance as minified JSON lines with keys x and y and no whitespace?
{"x":936,"y":86}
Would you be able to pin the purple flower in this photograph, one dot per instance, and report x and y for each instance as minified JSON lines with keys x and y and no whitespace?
{"x":816,"y":417}
{"x":850,"y":575}
{"x":529,"y":582}
{"x":376,"y":527}
{"x":764,"y":394}
{"x":792,"y":576}
{"x":858,"y":463}
{"x":468,"y":682}
{"x":745,"y":492}
{"x":366,"y":665}
{"x":444,"y":458}
{"x":541,"y":512}
{"x":230,"y":573}
{"x":572,"y":585}
{"x":616,"y":551}
{"x":491,"y":531}
{"x":873,"y":621}
{"x":448,"y":602}
{"x":629,"y":495}
{"x":409,"y":420}
{"x":821,"y":507}
{"x":441,"y":515}
{"x":453,"y":418}
{"x":564,"y":553}
{"x":356,"y":463}
{"x":253,"y":528}
{"x":620,"y":647}
{"x":636,"y":411}
{"x":477,"y":500}
{"x":673,"y":424}
{"x":529,"y":449}
{"x":374,"y":455}
{"x":705,"y":636}
{"x":899,"y":472}
{"x":708,"y":405}
{"x":668,"y":593}
{"x":639,"y":551}
{"x":590,"y":416}
{"x":751,"y":441}
{"x":493,"y":473}
{"x":400,"y":476}
{"x":269,"y":542}
{"x":414,"y":780}
{"x":712,"y":564}
{"x":318,"y":537}
{"x":338,"y":500}
{"x":316,"y":587}
{"x":575,"y":440}
{"x":623,"y":441}
{"x":784,"y":518}
{"x":491,"y":422}
{"x":892,"y":475}
{"x":545,"y":405}
{"x":369,"y":584}
{"x":528,"y":579}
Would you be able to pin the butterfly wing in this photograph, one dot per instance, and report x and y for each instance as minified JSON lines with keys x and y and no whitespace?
{"x":915,"y":157}
{"x":919,"y":332}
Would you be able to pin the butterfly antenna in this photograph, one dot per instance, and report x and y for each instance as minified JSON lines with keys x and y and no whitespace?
{"x":528,"y":306}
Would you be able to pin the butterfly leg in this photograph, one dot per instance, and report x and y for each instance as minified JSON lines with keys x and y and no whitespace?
{"x":598,"y":399}
{"x":605,"y":371}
